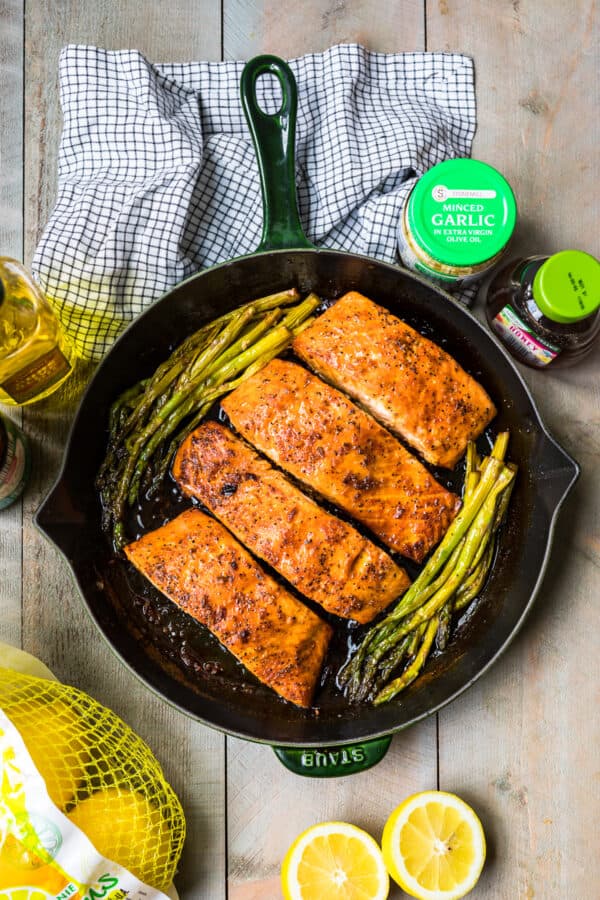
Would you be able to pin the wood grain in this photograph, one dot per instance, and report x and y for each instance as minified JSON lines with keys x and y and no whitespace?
{"x":55,"y":625}
{"x":193,"y":33}
{"x":519,"y":745}
{"x":536,"y":92}
{"x":290,"y":29}
{"x":11,"y":244}
{"x":268,"y":807}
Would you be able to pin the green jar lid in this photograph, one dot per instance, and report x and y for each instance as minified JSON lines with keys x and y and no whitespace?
{"x":462,"y":212}
{"x":567,"y":286}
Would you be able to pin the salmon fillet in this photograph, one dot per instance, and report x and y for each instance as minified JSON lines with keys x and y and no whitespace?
{"x":402,"y":378}
{"x":324,"y":558}
{"x":313,"y":431}
{"x":203,"y":569}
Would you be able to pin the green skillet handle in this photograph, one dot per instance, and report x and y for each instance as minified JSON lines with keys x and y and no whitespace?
{"x":333,"y":762}
{"x":273,"y":137}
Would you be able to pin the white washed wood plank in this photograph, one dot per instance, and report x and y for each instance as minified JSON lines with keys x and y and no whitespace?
{"x":290,"y":29}
{"x":267,"y":805}
{"x":537,"y":88}
{"x":55,"y":624}
{"x":11,"y":244}
{"x":180,"y":32}
{"x":521,"y":745}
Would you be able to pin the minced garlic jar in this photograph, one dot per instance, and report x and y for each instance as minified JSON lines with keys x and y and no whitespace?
{"x":457,"y":221}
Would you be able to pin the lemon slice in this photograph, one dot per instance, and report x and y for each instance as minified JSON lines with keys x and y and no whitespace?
{"x":334,"y":861}
{"x":434,"y":846}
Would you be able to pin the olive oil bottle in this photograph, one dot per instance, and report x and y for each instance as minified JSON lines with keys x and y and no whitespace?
{"x":35,"y":357}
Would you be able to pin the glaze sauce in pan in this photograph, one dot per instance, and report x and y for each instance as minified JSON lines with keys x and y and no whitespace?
{"x":160,"y":624}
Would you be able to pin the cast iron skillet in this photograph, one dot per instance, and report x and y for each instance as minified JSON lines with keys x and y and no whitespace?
{"x":337,"y":740}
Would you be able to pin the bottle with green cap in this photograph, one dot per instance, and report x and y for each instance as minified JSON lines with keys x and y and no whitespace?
{"x":457,"y":221}
{"x":546,"y":309}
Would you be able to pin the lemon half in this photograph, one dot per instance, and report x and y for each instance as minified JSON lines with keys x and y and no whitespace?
{"x":434,"y":846}
{"x":334,"y":861}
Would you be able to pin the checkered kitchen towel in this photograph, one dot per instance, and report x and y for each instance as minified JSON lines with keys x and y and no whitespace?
{"x":158,"y":178}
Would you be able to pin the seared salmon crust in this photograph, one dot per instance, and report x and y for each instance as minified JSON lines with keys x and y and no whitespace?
{"x":204,"y":570}
{"x":318,"y":435}
{"x":322,"y":556}
{"x":403,"y":379}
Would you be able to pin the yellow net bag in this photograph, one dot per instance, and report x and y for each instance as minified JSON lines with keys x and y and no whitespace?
{"x":99,"y":773}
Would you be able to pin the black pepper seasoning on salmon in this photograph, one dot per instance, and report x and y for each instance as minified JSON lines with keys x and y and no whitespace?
{"x":364,"y":470}
{"x":403,"y":379}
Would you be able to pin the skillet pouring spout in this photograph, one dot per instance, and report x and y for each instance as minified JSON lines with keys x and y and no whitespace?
{"x":555,"y":471}
{"x":61,"y":521}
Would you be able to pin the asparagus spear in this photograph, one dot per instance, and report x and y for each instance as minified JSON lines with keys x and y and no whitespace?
{"x":412,"y":599}
{"x":138,"y":443}
{"x":169,"y":418}
{"x":182,"y":356}
{"x":386,"y":637}
{"x":455,"y":533}
{"x":474,"y":583}
{"x":160,"y":386}
{"x":148,"y":421}
{"x":457,"y":568}
{"x":483,"y":559}
{"x":481,"y":524}
{"x":405,"y":650}
{"x":443,"y":633}
{"x":411,"y":672}
{"x":246,"y":340}
{"x":471,"y":480}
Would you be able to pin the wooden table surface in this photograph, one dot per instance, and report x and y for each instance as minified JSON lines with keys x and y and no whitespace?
{"x":521,"y":745}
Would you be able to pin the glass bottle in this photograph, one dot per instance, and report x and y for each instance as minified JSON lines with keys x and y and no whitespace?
{"x":545,"y":309}
{"x":35,"y":357}
{"x":15,"y":461}
{"x":457,"y":222}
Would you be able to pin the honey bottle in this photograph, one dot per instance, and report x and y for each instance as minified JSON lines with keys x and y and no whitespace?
{"x":35,"y":357}
{"x":546,"y":309}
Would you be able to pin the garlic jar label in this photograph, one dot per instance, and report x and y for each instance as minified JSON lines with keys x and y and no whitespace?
{"x":457,"y":221}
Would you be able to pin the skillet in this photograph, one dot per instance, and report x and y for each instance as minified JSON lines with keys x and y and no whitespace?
{"x":180,"y":662}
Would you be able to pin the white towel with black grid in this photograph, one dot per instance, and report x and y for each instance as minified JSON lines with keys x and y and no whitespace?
{"x":157,"y":176}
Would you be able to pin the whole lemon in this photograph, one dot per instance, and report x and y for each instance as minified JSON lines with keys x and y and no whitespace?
{"x":55,"y":737}
{"x":127,"y":828}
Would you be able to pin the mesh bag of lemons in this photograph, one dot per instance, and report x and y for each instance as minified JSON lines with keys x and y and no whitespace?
{"x":85,"y":810}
